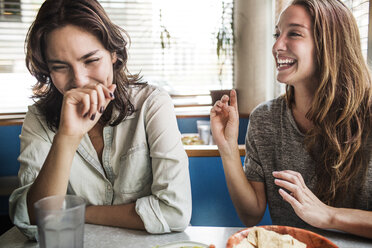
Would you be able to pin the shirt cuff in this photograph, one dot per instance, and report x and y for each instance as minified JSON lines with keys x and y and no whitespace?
{"x":19,"y":214}
{"x":149,"y":210}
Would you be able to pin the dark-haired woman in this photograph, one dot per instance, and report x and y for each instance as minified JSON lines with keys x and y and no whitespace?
{"x":309,"y":152}
{"x":96,"y":131}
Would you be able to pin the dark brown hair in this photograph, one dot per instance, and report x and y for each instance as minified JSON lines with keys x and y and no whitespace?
{"x":90,"y":16}
{"x":341,"y":110}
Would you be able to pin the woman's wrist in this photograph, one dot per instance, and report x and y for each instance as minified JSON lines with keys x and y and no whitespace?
{"x":88,"y":214}
{"x":229,"y":150}
{"x":72,"y":140}
{"x":333,"y":213}
{"x":327,"y":218}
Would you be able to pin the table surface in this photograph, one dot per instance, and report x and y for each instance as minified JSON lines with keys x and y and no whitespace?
{"x":103,"y":236}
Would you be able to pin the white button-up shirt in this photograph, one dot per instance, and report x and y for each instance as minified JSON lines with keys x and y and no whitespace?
{"x":143,"y":161}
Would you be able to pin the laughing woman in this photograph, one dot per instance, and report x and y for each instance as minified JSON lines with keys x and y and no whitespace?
{"x":96,"y":131}
{"x":309,"y":152}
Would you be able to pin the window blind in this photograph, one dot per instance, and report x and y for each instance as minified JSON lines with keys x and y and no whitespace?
{"x":173,"y":45}
{"x":360,"y":10}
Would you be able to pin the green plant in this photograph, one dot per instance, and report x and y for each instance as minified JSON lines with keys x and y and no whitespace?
{"x":165,"y":36}
{"x":225,"y":39}
{"x":165,"y":41}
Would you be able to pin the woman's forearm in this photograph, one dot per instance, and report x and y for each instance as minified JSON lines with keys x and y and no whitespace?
{"x":248,"y":197}
{"x":55,"y":172}
{"x":123,"y":215}
{"x":355,"y":221}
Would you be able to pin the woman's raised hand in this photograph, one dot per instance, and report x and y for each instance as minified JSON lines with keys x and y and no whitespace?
{"x":225,"y":122}
{"x":82,"y":108}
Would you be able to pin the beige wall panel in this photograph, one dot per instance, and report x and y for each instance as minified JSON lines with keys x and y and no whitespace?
{"x":253,"y":60}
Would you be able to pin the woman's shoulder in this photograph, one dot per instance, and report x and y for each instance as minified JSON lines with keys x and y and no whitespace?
{"x":269,"y":108}
{"x":141,"y":93}
{"x":35,"y":122}
{"x":34,"y":114}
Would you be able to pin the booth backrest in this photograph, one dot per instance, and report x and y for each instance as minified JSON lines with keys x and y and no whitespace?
{"x":211,"y":202}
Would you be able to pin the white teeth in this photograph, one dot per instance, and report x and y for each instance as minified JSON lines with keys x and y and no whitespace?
{"x":285,"y":61}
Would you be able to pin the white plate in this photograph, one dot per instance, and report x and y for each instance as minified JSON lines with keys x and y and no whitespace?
{"x":183,"y":244}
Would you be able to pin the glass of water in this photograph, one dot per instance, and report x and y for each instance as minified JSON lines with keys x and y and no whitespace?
{"x":60,"y":221}
{"x":204,"y":131}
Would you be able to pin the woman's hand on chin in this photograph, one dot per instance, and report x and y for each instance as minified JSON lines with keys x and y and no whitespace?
{"x":82,"y":108}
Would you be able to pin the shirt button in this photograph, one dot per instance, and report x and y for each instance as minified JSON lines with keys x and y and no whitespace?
{"x":109,"y":187}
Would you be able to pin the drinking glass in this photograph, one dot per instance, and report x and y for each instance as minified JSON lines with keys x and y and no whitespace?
{"x":60,"y":221}
{"x":204,"y":131}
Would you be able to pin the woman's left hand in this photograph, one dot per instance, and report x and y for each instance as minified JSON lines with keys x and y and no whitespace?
{"x":306,"y":205}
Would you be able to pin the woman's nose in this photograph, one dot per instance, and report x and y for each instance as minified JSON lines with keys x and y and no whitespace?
{"x":279,"y":45}
{"x":79,"y":77}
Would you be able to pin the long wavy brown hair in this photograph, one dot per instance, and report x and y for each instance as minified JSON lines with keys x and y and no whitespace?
{"x":89,"y":15}
{"x":342,"y":105}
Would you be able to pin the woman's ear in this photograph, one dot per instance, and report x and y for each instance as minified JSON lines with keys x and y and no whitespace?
{"x":114,"y":58}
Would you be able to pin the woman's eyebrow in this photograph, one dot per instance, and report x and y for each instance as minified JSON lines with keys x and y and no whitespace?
{"x":56,"y":61}
{"x":294,"y":25}
{"x":297,"y":25}
{"x":88,"y":55}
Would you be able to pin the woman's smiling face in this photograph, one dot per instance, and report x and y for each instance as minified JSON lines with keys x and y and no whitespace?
{"x":294,"y":49}
{"x":77,"y":58}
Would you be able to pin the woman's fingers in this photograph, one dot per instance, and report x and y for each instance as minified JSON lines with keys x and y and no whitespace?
{"x":111,"y":88}
{"x":225,"y":99}
{"x":93,"y":98}
{"x":234,"y":100}
{"x":223,"y":103}
{"x":101,"y":101}
{"x":107,"y":93}
{"x":85,"y":100}
{"x":291,"y":181}
{"x":79,"y":99}
{"x":290,"y":199}
{"x":296,"y":190}
{"x":104,"y":96}
{"x":291,"y":176}
{"x":219,"y":107}
{"x":297,"y":175}
{"x":88,"y":99}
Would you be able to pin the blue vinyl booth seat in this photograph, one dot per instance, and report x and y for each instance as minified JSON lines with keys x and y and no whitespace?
{"x":9,"y":166}
{"x":211,"y":202}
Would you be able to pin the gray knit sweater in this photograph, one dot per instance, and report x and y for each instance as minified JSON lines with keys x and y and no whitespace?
{"x":274,"y":143}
